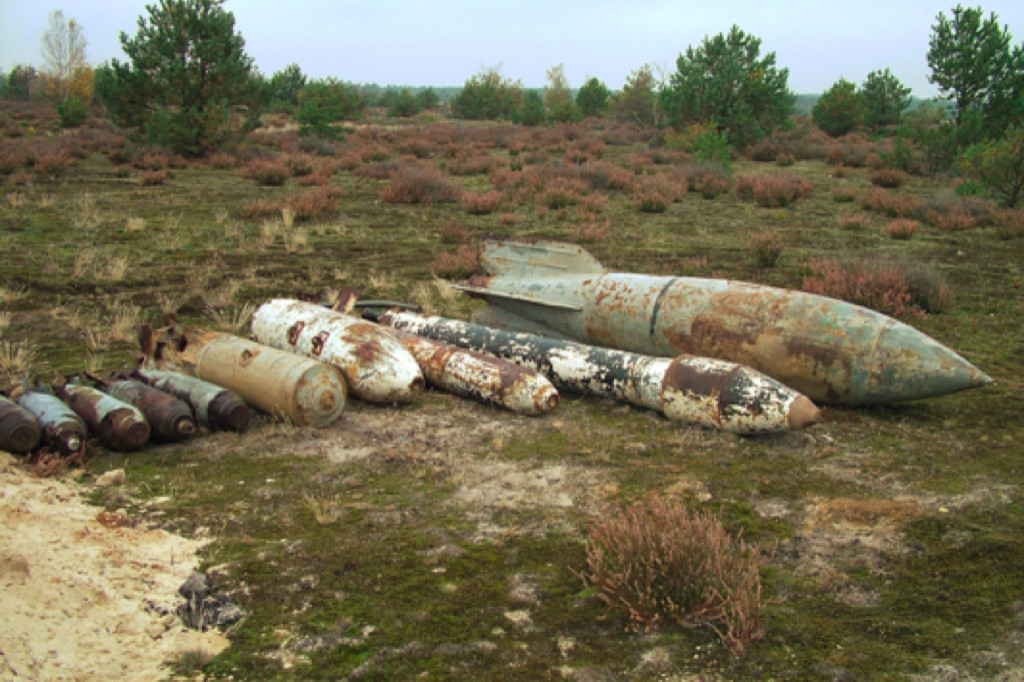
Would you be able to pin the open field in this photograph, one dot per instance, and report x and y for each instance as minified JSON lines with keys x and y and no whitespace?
{"x":444,"y":539}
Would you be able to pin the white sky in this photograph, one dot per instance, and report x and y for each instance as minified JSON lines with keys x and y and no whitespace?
{"x":445,"y":42}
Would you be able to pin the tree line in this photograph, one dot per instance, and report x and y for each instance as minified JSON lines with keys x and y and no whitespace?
{"x":186,"y":75}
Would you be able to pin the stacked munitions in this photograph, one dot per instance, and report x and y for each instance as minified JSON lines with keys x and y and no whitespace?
{"x":728,"y":355}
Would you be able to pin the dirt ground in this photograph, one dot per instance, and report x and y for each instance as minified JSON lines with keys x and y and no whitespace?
{"x":83,"y":594}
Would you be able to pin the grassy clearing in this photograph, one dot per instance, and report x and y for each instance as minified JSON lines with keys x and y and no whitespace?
{"x":442,"y":537}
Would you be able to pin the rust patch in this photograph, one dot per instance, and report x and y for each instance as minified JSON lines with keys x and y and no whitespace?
{"x":247,"y":356}
{"x":294,"y":331}
{"x":319,"y":341}
{"x":686,"y":378}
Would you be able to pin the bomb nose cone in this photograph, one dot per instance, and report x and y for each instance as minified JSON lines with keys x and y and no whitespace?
{"x":802,"y":413}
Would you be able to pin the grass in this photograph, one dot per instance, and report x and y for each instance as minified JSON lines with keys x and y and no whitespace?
{"x":444,"y":538}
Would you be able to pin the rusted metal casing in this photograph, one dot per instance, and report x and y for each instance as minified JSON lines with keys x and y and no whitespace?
{"x":376,"y":366}
{"x":690,"y":389}
{"x":214,"y":407}
{"x":63,"y":430}
{"x":117,"y":424}
{"x":282,"y":384}
{"x":170,"y":419}
{"x":830,"y":350}
{"x":19,"y":429}
{"x":482,"y":377}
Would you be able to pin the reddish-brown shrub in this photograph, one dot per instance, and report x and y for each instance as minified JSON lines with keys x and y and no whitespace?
{"x":888,"y":177}
{"x":315,"y":203}
{"x":222,"y":161}
{"x":655,"y":193}
{"x":418,"y":184}
{"x":454,"y":233}
{"x":261,"y":209}
{"x":470,"y":163}
{"x":153,"y":177}
{"x":299,"y":164}
{"x":1009,"y":223}
{"x":481,"y":204}
{"x":601,"y":175}
{"x":267,"y":172}
{"x":591,"y":231}
{"x":662,"y":564}
{"x":881,"y":286}
{"x":707,"y":179}
{"x":902,"y":229}
{"x":459,"y":265}
{"x":854,"y":221}
{"x":953,"y":213}
{"x":318,"y":178}
{"x":51,"y":165}
{"x":891,"y":204}
{"x":777,"y":190}
{"x":561,"y":192}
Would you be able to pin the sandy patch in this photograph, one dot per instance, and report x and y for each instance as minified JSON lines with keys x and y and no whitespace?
{"x":82,"y":597}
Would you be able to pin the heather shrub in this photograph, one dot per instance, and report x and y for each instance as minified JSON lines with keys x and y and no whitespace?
{"x":785,"y":160}
{"x":222,"y":161}
{"x":662,"y":564}
{"x":766,"y":248}
{"x":902,"y":229}
{"x":481,"y":204}
{"x":929,"y":289}
{"x":1009,"y":223}
{"x":777,"y":190}
{"x":655,"y":193}
{"x":454,"y":233}
{"x":855,"y":221}
{"x":955,"y":213}
{"x":314,"y":204}
{"x":51,"y":165}
{"x":602,"y":175}
{"x":417,"y":184}
{"x":260,"y":209}
{"x":154,"y":177}
{"x":562,"y":192}
{"x":842,"y":195}
{"x":707,"y":179}
{"x":266,"y":172}
{"x":459,"y":265}
{"x":888,"y":177}
{"x":881,"y":285}
{"x":891,"y":204}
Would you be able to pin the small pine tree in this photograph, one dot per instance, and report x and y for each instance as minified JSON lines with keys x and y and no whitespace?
{"x":840,"y":110}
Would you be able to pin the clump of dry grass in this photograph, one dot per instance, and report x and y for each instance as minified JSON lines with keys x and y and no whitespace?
{"x":17,"y":357}
{"x":662,"y":564}
{"x":766,"y":248}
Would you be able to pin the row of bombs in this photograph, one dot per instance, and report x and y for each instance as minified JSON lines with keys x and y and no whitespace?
{"x":305,"y":360}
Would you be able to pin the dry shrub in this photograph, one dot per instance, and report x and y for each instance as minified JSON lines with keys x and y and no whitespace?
{"x":953,"y":214}
{"x":890,"y":178}
{"x":300,"y":164}
{"x":470,"y":162}
{"x":887,"y":286}
{"x":1009,"y":223}
{"x":260,"y":209}
{"x":591,"y":232}
{"x":222,"y":161}
{"x":52,"y":165}
{"x":785,"y":160}
{"x":766,"y":248}
{"x":314,"y":204}
{"x":707,"y":179}
{"x":655,"y":193}
{"x":890,"y":204}
{"x":602,"y":175}
{"x":842,"y":195}
{"x":266,"y":172}
{"x":562,"y":192}
{"x":418,"y":184}
{"x":459,"y":265}
{"x":481,"y":204}
{"x":454,"y":233}
{"x":777,"y":190}
{"x":855,"y":221}
{"x":902,"y":229}
{"x":154,"y":177}
{"x":663,"y":564}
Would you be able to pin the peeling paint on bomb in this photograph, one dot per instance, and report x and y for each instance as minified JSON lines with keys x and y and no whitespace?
{"x":62,"y":428}
{"x":20,"y":431}
{"x":213,"y":406}
{"x":117,"y":424}
{"x":480,"y":376}
{"x":694,"y":390}
{"x":376,"y":366}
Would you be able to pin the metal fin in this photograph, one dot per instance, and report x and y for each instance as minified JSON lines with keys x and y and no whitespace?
{"x":521,"y":259}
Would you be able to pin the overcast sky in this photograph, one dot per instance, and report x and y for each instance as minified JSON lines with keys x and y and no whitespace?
{"x":445,"y":42}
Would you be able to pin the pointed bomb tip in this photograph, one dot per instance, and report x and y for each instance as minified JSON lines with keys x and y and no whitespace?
{"x":803,"y":413}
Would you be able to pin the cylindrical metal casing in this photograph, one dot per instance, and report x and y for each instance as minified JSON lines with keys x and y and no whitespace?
{"x":279,"y":383}
{"x":117,"y":424}
{"x":481,"y":377}
{"x":691,"y":389}
{"x":376,"y":366}
{"x":19,"y":429}
{"x":170,"y":419}
{"x":214,"y":406}
{"x":63,"y":429}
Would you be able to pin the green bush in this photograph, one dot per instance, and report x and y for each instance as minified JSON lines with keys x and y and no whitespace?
{"x":73,"y":111}
{"x":998,"y":165}
{"x":839,"y":111}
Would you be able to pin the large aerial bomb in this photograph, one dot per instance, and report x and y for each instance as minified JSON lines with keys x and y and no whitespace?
{"x":829,"y":350}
